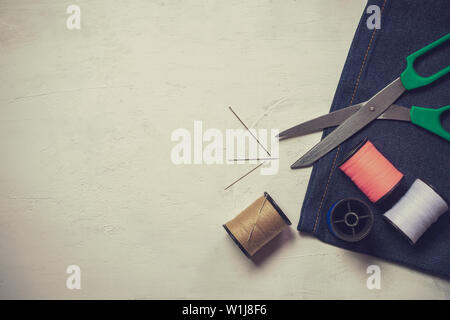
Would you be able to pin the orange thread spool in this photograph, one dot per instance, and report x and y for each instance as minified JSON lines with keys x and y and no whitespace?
{"x":372,"y":173}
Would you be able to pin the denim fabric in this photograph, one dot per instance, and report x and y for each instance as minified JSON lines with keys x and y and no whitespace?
{"x":376,"y":58}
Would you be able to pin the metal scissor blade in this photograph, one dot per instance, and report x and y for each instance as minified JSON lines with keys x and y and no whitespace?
{"x":331,"y":119}
{"x":396,"y":112}
{"x":369,"y":112}
{"x":335,"y":118}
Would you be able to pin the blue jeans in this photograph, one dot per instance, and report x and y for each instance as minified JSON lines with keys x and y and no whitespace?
{"x":376,"y":58}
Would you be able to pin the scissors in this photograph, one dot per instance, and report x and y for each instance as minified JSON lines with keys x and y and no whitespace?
{"x":352,"y":119}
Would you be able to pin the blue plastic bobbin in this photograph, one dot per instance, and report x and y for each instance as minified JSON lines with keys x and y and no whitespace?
{"x":350,"y":219}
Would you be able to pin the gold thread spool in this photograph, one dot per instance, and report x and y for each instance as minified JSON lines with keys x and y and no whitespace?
{"x":259,"y":223}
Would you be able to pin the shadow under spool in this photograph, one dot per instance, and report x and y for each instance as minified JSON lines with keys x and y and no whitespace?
{"x":259,"y":223}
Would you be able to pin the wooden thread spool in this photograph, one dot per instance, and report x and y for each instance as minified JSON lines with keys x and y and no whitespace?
{"x":259,"y":223}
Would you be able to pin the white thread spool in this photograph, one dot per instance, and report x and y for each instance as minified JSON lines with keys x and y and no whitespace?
{"x":417,"y":210}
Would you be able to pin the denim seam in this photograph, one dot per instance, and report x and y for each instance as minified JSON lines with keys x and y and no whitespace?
{"x":325,"y":192}
{"x":333,"y":167}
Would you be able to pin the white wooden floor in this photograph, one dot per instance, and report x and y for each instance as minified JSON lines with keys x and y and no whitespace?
{"x":86,"y":176}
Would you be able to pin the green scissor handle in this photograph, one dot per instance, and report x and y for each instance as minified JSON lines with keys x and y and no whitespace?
{"x":430,"y":119}
{"x":410,"y":78}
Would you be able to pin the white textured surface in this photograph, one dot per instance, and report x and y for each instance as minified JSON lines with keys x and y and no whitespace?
{"x":86,"y":176}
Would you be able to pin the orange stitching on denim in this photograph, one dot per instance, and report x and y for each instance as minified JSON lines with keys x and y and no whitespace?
{"x":339,"y":147}
{"x":365,"y":58}
{"x":325,"y":192}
